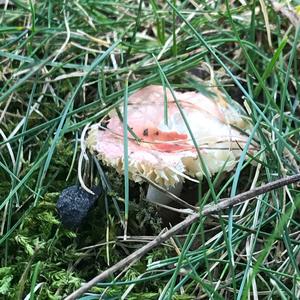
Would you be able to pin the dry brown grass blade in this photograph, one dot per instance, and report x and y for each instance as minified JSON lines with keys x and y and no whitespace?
{"x":290,"y":14}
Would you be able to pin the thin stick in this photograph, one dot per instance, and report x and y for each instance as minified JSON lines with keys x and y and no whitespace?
{"x":165,"y":235}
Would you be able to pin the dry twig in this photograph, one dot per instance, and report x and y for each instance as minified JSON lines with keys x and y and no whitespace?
{"x":165,"y":235}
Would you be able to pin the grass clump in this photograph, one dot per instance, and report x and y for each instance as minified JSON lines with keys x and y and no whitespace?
{"x":65,"y":64}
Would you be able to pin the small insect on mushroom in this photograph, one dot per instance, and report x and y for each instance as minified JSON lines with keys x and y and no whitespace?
{"x":164,"y":152}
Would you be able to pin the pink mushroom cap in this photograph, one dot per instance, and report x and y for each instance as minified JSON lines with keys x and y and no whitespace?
{"x":165,"y":153}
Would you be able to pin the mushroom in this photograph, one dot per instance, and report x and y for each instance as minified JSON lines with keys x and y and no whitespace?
{"x":161,"y":149}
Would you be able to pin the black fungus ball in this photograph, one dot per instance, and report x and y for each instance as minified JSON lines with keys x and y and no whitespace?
{"x":74,"y":203}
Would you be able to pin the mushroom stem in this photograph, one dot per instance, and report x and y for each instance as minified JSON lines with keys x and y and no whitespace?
{"x":157,"y":196}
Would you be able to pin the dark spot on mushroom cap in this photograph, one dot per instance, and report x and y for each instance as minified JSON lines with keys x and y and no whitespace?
{"x":74,"y":203}
{"x":146,"y":132}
